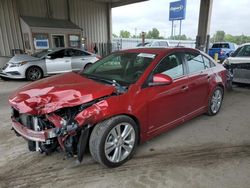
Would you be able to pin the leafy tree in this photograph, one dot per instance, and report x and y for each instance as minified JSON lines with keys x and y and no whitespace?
{"x":178,"y":37}
{"x":153,"y":34}
{"x":239,"y":39}
{"x":124,"y":34}
{"x":114,"y":35}
{"x":219,"y":36}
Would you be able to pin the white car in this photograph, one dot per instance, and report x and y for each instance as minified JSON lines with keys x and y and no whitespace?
{"x":47,"y":62}
{"x":158,"y":43}
{"x":238,"y":64}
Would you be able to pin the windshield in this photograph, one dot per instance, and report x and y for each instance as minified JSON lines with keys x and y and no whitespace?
{"x":243,"y":51}
{"x":41,"y":53}
{"x":221,"y":45}
{"x":123,"y":68}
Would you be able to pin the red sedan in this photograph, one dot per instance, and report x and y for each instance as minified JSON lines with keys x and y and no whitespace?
{"x":124,"y":99}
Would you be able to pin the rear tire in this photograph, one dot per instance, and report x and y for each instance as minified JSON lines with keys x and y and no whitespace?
{"x":114,"y":141}
{"x":87,"y":65}
{"x":34,"y":73}
{"x":215,"y":101}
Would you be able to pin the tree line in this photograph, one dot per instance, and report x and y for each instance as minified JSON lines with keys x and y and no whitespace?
{"x":221,"y":36}
{"x":152,"y":34}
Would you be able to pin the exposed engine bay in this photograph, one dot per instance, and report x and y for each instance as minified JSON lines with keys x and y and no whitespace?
{"x":66,"y":133}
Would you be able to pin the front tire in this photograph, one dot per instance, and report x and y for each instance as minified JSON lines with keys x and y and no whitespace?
{"x":113,"y":141}
{"x":4,"y":78}
{"x":215,"y":101}
{"x":34,"y":73}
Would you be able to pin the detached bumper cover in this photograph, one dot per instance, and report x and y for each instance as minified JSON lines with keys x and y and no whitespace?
{"x":38,"y":136}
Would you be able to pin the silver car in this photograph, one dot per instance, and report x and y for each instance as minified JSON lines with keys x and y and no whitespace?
{"x":47,"y":62}
{"x":238,"y":64}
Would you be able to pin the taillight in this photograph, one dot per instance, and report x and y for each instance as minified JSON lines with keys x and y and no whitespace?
{"x":98,"y":57}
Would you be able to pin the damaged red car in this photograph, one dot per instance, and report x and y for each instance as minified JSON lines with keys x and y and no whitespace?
{"x":120,"y":101}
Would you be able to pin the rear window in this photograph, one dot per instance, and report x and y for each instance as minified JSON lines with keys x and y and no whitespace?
{"x":195,"y":62}
{"x":221,"y":45}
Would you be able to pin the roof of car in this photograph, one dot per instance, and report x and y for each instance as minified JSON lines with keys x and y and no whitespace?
{"x":158,"y":50}
{"x":245,"y":44}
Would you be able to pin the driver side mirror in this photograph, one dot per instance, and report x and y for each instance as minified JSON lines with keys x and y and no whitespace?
{"x":161,"y":80}
{"x":48,"y":57}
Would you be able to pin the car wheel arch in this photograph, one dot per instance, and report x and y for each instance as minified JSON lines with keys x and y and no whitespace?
{"x":35,"y":66}
{"x":137,"y":122}
{"x":42,"y":69}
{"x":217,"y":86}
{"x":99,"y":133}
{"x":87,"y":65}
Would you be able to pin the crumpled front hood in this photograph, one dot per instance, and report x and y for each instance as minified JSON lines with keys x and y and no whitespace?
{"x":50,"y":94}
{"x":22,"y":57}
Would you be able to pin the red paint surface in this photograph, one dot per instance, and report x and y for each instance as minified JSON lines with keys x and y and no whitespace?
{"x":50,"y":94}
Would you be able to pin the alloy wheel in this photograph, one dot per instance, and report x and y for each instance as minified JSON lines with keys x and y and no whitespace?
{"x":34,"y":73}
{"x":216,"y":101}
{"x":119,"y":142}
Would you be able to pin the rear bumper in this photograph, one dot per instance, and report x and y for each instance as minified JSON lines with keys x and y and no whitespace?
{"x":37,"y":136}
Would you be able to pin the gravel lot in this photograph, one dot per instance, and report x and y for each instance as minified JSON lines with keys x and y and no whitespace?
{"x":205,"y":152}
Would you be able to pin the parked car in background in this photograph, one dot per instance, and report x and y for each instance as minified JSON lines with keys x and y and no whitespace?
{"x":141,"y":44}
{"x":223,"y":49}
{"x":47,"y":62}
{"x":158,"y":43}
{"x":123,"y":99}
{"x":238,"y":64}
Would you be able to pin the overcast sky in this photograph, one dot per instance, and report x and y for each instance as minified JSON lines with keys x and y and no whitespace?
{"x":232,"y":16}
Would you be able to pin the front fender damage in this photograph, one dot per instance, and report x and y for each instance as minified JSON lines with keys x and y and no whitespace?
{"x":92,"y":114}
{"x":72,"y":134}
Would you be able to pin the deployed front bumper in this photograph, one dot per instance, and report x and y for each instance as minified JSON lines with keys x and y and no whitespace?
{"x":37,"y":136}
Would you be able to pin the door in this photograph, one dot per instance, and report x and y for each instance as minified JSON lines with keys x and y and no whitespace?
{"x":168,"y":104}
{"x":199,"y":77}
{"x":79,"y":59}
{"x":58,"y":41}
{"x":58,"y":62}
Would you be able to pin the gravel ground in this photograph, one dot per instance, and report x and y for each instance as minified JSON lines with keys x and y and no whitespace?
{"x":205,"y":152}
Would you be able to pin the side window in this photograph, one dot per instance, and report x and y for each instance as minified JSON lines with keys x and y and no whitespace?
{"x":57,"y":54}
{"x":163,"y":43}
{"x":244,"y":52}
{"x":195,"y":62}
{"x":85,"y":53}
{"x":207,"y":62}
{"x":156,"y":43}
{"x":171,"y":65}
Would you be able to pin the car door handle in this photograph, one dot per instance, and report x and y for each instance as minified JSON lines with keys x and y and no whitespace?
{"x":67,"y":61}
{"x":83,"y":59}
{"x":184,"y":88}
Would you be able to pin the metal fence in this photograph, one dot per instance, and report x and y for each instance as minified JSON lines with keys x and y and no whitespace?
{"x":127,"y":43}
